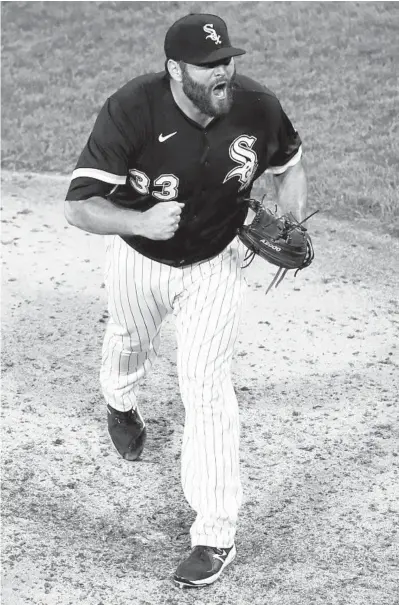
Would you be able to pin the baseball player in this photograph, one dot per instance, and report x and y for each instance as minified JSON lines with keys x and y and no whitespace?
{"x":165,"y":176}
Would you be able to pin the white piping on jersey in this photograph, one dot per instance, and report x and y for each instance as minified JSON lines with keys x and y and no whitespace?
{"x":115,"y":179}
{"x":99,"y":175}
{"x":280,"y":169}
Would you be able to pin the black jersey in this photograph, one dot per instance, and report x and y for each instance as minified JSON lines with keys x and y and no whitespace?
{"x":143,"y":150}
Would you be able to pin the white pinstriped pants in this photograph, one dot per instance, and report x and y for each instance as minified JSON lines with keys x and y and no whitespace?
{"x":206,"y":300}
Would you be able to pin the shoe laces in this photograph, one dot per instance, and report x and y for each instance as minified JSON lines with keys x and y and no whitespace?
{"x":203,"y":551}
{"x":123,"y":417}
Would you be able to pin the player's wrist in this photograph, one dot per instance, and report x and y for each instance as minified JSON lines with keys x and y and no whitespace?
{"x":136,"y":223}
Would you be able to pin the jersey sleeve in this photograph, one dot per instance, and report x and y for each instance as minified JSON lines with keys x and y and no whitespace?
{"x":103,"y":163}
{"x":285,"y":146}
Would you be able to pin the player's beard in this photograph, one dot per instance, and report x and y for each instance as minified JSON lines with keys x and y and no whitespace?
{"x":203,"y":98}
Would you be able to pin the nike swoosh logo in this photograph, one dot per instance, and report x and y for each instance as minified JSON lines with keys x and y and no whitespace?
{"x":163,"y":138}
{"x":220,"y":557}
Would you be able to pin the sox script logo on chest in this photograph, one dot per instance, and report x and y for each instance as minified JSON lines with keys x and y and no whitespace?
{"x":241,"y":152}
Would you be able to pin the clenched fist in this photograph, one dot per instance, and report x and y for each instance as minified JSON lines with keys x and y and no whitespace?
{"x":161,"y":221}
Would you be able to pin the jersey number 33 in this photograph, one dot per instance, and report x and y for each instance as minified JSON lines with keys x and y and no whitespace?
{"x":240,"y":152}
{"x":168,"y":184}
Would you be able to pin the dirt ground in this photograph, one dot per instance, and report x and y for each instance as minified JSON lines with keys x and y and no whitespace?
{"x":316,"y":373}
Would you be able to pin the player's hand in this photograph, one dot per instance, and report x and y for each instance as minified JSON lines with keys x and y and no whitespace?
{"x":161,"y":221}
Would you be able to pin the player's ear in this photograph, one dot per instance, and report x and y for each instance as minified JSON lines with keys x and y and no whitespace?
{"x":174,"y":70}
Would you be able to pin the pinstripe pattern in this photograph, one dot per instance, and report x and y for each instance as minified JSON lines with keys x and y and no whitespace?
{"x":205,"y":299}
{"x":132,"y":336}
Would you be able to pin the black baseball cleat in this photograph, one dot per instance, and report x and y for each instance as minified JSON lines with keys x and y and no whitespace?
{"x":127,"y":431}
{"x":203,"y":566}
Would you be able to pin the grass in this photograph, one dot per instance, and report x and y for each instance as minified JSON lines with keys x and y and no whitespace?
{"x":332,"y":64}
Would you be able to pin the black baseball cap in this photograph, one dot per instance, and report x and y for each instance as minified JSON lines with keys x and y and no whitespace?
{"x":199,"y":39}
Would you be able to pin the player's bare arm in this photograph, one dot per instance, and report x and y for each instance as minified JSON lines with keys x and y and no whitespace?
{"x":100,"y":216}
{"x":291,"y":189}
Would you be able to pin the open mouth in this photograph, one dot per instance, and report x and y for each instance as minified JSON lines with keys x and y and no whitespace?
{"x":220,"y":90}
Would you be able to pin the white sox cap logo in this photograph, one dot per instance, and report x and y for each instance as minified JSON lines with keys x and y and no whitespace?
{"x":209,"y":29}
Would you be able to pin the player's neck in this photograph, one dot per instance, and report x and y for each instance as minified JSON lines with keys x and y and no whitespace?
{"x":187,"y":106}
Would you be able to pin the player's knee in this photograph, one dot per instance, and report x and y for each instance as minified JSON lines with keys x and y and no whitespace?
{"x":200,"y":376}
